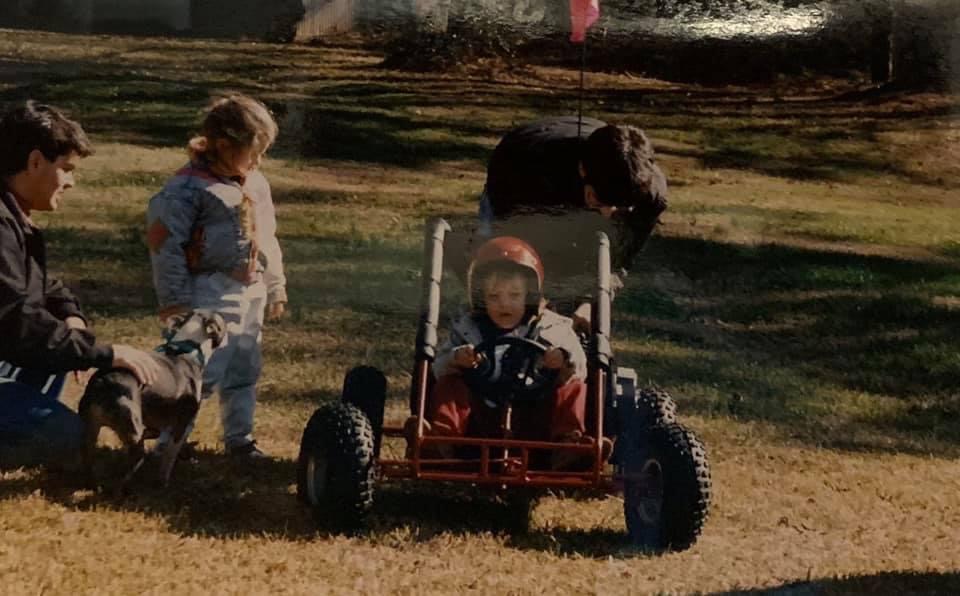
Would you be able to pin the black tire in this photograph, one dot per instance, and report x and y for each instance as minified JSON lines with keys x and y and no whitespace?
{"x":666,"y":495}
{"x":656,"y":406}
{"x":636,"y":409}
{"x":335,"y":470}
{"x":366,"y":388}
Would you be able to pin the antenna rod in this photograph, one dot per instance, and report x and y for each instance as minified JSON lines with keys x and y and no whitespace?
{"x":583,"y":67}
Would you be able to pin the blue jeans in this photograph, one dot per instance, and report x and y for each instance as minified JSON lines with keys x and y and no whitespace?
{"x":234,"y":368}
{"x":36,"y":428}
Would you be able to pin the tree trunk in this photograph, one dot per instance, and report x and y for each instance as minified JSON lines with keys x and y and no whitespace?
{"x":881,"y":38}
{"x":925,"y":43}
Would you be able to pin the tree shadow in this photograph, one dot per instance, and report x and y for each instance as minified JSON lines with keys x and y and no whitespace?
{"x":887,"y":582}
{"x":773,"y":332}
{"x":770,"y":333}
{"x":121,"y":284}
{"x":359,"y":112}
{"x":374,"y":137}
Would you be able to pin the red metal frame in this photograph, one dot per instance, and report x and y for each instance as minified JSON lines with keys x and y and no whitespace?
{"x":504,"y":462}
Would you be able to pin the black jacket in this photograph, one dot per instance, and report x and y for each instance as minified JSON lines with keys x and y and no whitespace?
{"x":33,"y":305}
{"x":536,"y":193}
{"x":536,"y":166}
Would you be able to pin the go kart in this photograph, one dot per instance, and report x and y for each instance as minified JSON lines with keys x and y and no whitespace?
{"x":658,"y":465}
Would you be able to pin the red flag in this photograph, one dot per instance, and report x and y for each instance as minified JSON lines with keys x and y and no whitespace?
{"x":583,"y":13}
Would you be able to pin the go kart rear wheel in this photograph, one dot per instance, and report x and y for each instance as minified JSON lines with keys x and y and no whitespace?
{"x":335,"y":470}
{"x":656,"y":406}
{"x":666,"y":494}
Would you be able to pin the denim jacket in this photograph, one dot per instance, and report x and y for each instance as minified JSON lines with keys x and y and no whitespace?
{"x":203,"y":223}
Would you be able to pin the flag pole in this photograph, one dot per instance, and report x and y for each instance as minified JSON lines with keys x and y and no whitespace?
{"x":583,"y":13}
{"x":583,"y":67}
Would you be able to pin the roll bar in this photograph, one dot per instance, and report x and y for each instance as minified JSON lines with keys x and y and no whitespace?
{"x":434,"y":236}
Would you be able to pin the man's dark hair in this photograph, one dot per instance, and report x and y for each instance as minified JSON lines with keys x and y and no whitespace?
{"x":619,"y":165}
{"x":41,"y":127}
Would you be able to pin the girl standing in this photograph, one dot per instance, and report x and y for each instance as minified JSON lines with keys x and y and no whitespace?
{"x":213,"y":245}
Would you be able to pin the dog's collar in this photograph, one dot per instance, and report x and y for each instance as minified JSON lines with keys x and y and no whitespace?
{"x":178,"y":348}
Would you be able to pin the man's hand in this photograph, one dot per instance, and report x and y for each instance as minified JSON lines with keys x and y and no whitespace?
{"x":141,"y":364}
{"x":75,"y":323}
{"x":276,"y":310}
{"x":554,"y":359}
{"x":81,"y":377}
{"x":465,"y":357}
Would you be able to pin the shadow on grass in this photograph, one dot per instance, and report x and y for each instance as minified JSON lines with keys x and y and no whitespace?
{"x":359,"y":112}
{"x":211,"y":495}
{"x":370,"y":136}
{"x":431,"y":509}
{"x":120,"y":106}
{"x":780,"y":333}
{"x":122,"y":285}
{"x":843,"y":350}
{"x":889,"y":582}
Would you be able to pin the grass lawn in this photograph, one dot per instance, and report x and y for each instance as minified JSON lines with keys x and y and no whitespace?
{"x":801,"y":300}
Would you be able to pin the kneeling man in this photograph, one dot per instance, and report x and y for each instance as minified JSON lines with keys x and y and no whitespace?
{"x":43,"y":333}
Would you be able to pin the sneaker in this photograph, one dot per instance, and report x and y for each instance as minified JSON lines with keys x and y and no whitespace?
{"x":428,"y":452}
{"x":247,"y":451}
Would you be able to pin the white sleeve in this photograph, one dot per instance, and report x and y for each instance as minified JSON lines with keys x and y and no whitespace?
{"x":462,"y":331}
{"x":273,"y":275}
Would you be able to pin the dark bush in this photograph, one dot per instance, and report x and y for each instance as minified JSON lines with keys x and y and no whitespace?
{"x":275,"y":21}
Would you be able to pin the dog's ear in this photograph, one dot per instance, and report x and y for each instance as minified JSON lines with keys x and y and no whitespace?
{"x":172,"y":324}
{"x":176,"y":321}
{"x":216,"y":328}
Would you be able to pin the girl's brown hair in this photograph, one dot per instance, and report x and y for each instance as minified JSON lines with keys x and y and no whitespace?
{"x":238,"y":119}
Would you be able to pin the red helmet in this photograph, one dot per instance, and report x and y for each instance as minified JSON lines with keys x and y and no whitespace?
{"x":505,"y":250}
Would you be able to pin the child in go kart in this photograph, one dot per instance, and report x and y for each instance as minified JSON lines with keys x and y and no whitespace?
{"x":504,"y":283}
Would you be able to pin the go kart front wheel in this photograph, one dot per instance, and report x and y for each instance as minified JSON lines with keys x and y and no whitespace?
{"x":656,"y":406}
{"x":666,"y":489}
{"x":335,"y":470}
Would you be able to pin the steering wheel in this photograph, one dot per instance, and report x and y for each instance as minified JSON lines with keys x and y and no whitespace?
{"x":520,"y":375}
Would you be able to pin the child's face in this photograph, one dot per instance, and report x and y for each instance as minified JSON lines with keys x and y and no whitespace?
{"x":505,"y":299}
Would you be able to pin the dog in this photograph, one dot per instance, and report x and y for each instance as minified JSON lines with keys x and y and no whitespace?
{"x":115,"y":398}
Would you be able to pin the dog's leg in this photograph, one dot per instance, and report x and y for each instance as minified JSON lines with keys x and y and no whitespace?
{"x":137,"y":455}
{"x":169,"y":457}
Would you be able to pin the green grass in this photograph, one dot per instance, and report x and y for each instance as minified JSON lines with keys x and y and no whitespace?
{"x":769,"y":232}
{"x":800,"y":300}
